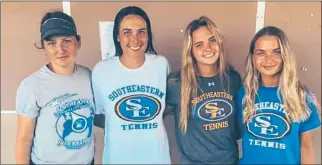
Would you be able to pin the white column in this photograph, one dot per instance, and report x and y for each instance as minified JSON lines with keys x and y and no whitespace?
{"x":260,"y":16}
{"x":66,"y":7}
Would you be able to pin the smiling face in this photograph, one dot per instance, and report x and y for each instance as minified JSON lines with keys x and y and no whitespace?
{"x":205,"y":47}
{"x":61,"y":50}
{"x":267,"y":57}
{"x":133,"y":36}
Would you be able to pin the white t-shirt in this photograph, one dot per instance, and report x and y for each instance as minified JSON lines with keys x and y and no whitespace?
{"x":133,"y":101}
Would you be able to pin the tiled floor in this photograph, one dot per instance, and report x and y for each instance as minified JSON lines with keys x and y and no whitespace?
{"x":8,"y":134}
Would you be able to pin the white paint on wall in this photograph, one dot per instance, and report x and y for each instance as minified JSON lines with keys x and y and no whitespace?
{"x":8,"y":112}
{"x":66,"y":7}
{"x":260,"y":15}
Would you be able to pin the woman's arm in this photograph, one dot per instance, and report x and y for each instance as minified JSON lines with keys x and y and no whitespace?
{"x":307,"y":153}
{"x":25,"y":135}
{"x":306,"y":129}
{"x":172,"y":94}
{"x":99,"y":120}
{"x":169,"y":110}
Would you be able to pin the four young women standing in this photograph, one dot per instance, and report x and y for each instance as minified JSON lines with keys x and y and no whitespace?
{"x":272,"y":110}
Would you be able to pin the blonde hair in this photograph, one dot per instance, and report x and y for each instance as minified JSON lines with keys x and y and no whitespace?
{"x":294,"y":94}
{"x":189,"y":72}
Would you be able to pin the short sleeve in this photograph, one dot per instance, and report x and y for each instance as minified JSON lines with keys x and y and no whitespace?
{"x":98,"y":96}
{"x":169,"y":69}
{"x":26,"y":101}
{"x":236,"y":82}
{"x":313,"y":121}
{"x":172,"y":94}
{"x":239,"y":99}
{"x":239,"y":111}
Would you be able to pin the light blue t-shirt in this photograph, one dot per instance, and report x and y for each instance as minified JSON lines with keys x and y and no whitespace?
{"x":64,"y":109}
{"x":133,"y":101}
{"x":268,"y":138}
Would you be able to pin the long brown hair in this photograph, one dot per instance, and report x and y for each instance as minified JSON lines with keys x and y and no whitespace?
{"x":294,"y":93}
{"x":189,"y":72}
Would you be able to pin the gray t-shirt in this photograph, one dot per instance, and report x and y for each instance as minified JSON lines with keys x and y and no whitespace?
{"x":64,"y":111}
{"x":212,"y":132}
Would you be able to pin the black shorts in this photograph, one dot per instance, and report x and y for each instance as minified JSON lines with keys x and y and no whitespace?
{"x":32,"y":163}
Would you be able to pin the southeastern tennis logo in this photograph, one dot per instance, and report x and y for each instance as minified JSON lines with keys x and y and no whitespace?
{"x":268,"y":126}
{"x":214,"y":110}
{"x":138,"y":108}
{"x":141,"y":105}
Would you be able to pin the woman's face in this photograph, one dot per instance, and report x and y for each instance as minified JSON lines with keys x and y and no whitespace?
{"x":133,"y":36}
{"x":61,"y":50}
{"x":205,"y":48}
{"x":267,"y":57}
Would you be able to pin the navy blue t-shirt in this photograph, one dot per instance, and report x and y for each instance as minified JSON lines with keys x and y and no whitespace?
{"x":269,"y":138}
{"x":212,"y":132}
